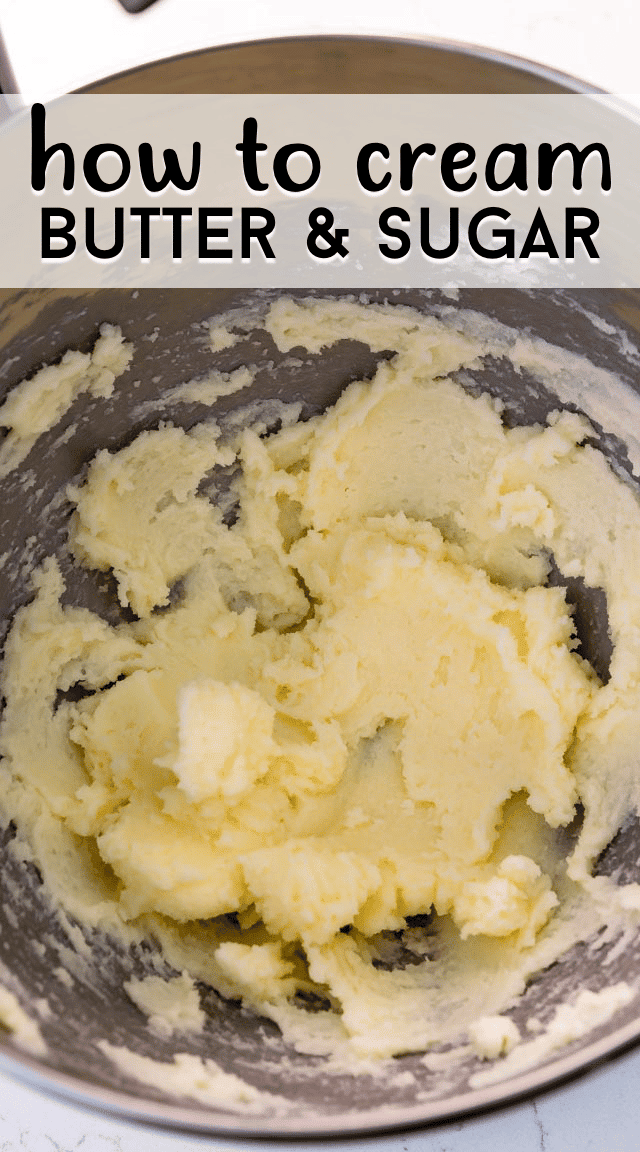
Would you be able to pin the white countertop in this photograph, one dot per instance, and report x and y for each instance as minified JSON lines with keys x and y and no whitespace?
{"x":56,"y":45}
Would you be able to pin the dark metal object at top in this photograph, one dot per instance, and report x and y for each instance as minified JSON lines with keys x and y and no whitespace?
{"x":136,"y":5}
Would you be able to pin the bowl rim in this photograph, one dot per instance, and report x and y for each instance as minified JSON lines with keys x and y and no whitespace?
{"x":524,"y":64}
{"x":196,"y":1119}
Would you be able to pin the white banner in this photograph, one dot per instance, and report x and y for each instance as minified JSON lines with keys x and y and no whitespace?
{"x":324,"y":191}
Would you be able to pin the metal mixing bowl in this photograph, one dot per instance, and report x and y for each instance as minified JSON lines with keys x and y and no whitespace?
{"x":343,"y":64}
{"x":36,"y":327}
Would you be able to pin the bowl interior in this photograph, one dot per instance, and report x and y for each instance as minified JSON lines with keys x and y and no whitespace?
{"x":92,"y":1006}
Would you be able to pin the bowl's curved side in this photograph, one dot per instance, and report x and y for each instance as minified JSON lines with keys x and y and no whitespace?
{"x":344,"y":64}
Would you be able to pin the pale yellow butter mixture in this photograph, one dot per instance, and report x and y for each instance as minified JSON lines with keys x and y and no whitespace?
{"x":359,"y":703}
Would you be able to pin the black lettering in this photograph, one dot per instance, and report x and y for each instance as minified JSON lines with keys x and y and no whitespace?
{"x":249,"y":149}
{"x":40,"y":156}
{"x":90,"y":167}
{"x":584,"y":233}
{"x":281,"y":169}
{"x":454,"y":235}
{"x":250,"y":231}
{"x":365,"y":179}
{"x":145,"y":215}
{"x":172,"y":171}
{"x":517,"y":177}
{"x":176,"y":215}
{"x":454,"y":158}
{"x":547,"y":156}
{"x":545,"y":245}
{"x":506,"y":234}
{"x":64,"y":232}
{"x":118,"y":235}
{"x":205,"y":233}
{"x":394,"y":233}
{"x":408,"y":159}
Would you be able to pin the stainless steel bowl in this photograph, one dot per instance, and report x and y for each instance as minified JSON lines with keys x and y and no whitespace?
{"x":344,"y":64}
{"x":37,"y":326}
